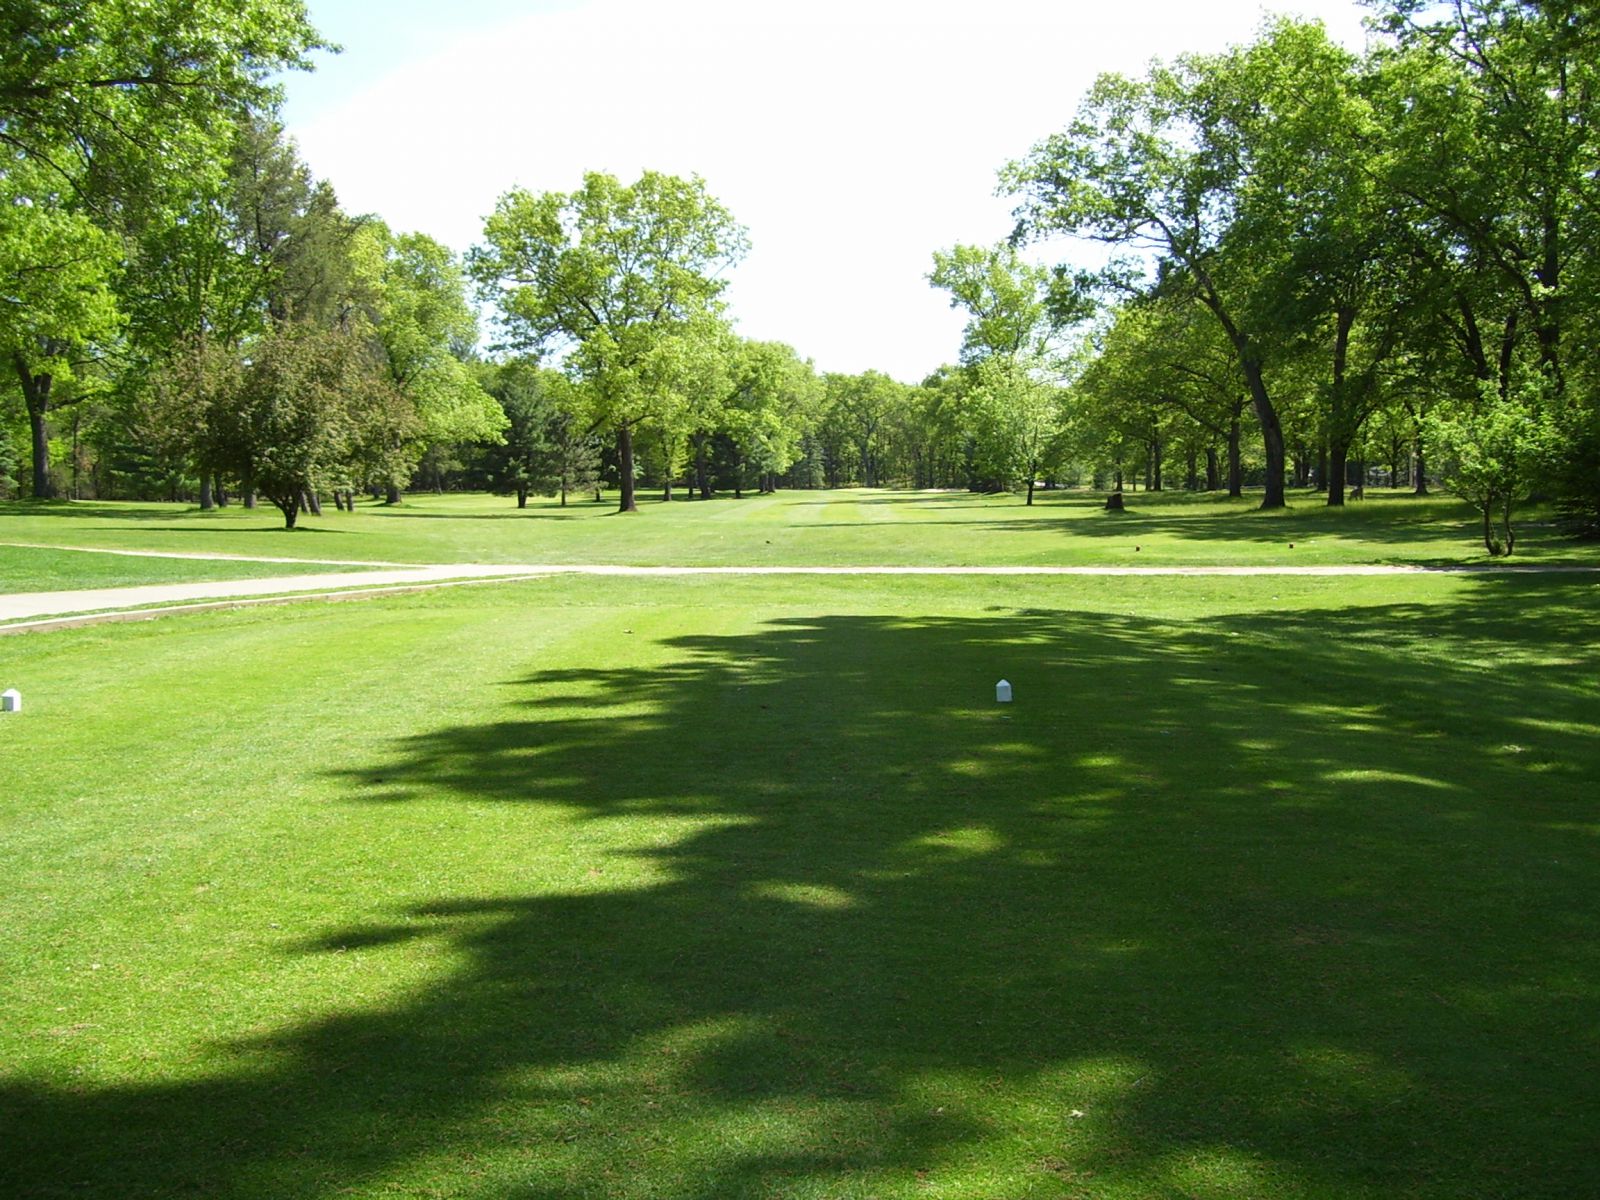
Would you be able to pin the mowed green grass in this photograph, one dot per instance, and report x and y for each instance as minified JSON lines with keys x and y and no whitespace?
{"x":747,"y":888}
{"x":39,"y":569}
{"x":853,"y":527}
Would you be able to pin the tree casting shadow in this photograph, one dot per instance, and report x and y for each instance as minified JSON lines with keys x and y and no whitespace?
{"x":1235,"y":891}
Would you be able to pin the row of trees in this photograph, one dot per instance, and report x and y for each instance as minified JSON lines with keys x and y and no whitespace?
{"x":1311,"y":256}
{"x":1397,"y":248}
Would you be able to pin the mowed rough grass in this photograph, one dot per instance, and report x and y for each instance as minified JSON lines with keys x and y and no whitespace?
{"x":739,"y":888}
{"x":41,"y":569}
{"x":851,"y":528}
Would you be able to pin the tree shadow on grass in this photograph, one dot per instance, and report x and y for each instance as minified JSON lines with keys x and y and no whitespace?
{"x":1257,"y":905}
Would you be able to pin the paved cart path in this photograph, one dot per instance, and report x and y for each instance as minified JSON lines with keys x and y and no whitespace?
{"x":33,"y":610}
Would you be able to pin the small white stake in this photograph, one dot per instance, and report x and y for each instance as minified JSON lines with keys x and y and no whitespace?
{"x":1002,"y":692}
{"x":11,"y":701}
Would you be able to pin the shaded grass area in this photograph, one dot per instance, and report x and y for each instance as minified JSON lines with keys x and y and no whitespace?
{"x":854,"y":527}
{"x":31,"y":569}
{"x":748,"y":888}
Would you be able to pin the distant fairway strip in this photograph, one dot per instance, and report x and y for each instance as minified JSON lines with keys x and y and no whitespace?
{"x":28,"y":610}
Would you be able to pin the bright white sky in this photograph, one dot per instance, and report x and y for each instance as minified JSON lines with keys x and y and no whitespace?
{"x":852,"y":137}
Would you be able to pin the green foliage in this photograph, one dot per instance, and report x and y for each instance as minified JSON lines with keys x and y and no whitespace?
{"x":544,"y":448}
{"x":114,"y":96}
{"x":1006,"y":299}
{"x":1495,"y":451}
{"x":626,"y":279}
{"x":8,"y":464}
{"x":310,"y":411}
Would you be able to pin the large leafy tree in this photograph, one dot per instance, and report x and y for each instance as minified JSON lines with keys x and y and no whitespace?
{"x":423,"y":327}
{"x":625,"y":279}
{"x":106,"y":108}
{"x":1167,"y":170}
{"x":1013,"y":404}
{"x":57,"y":267}
{"x":308,"y":410}
{"x":772,"y":403}
{"x":108,"y":95}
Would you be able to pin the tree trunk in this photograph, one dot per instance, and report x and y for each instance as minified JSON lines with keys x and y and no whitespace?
{"x":1155,"y":454}
{"x":625,"y":468}
{"x":522,"y":497}
{"x":1271,"y":434}
{"x":1213,"y":470}
{"x":391,"y":494}
{"x":1266,"y":414}
{"x":36,"y":395}
{"x":1419,"y":469}
{"x":1338,"y":467}
{"x":1235,"y":463}
{"x":1191,"y":480}
{"x":1030,"y":490}
{"x":313,"y":504}
{"x":666,"y":490}
{"x":207,"y":500}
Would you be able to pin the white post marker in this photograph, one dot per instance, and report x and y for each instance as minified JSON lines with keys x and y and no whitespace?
{"x":1002,"y":692}
{"x":11,"y":701}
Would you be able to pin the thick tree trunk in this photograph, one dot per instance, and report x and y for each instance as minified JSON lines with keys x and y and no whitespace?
{"x":666,"y":490}
{"x":1266,"y":414}
{"x":1340,"y":418}
{"x":1235,"y":462}
{"x":1213,"y":470}
{"x":313,"y":504}
{"x":627,"y":503}
{"x":289,"y":506}
{"x":207,"y":500}
{"x":1191,"y":476}
{"x":1338,"y":468}
{"x":1271,"y":434}
{"x":522,"y":497}
{"x":1030,"y":490}
{"x":391,"y":494}
{"x":36,"y":396}
{"x":249,"y":498}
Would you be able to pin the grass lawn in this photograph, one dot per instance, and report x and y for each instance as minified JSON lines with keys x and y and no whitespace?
{"x":1274,"y":887}
{"x":31,"y":569}
{"x":856,"y":527}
